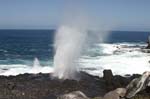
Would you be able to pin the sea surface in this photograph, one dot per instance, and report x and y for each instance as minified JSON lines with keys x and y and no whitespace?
{"x":32,"y":51}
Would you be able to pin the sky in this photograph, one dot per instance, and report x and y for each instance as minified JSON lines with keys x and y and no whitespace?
{"x":46,"y":14}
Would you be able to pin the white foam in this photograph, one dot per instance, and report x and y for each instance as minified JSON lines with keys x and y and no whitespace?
{"x":21,"y":69}
{"x":107,"y":48}
{"x":26,"y":69}
{"x":130,"y":60}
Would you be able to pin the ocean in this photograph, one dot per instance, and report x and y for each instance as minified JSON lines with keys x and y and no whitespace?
{"x":22,"y":50}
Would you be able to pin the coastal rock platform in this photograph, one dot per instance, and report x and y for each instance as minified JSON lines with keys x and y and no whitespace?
{"x":43,"y":86}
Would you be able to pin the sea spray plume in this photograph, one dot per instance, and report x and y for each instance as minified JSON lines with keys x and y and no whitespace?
{"x":69,"y":41}
{"x":36,"y":66}
{"x":36,"y":63}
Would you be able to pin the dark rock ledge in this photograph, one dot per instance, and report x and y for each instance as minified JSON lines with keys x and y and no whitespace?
{"x":42,"y":86}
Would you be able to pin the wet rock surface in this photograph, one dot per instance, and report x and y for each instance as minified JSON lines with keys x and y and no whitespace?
{"x":148,"y":43}
{"x":43,"y":86}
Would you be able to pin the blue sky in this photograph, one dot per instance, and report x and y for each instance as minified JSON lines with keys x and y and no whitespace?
{"x":46,"y":14}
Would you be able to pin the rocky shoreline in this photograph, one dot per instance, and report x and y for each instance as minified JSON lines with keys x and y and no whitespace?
{"x":43,"y":86}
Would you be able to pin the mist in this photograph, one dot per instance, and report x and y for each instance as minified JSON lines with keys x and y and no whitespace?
{"x":72,"y":37}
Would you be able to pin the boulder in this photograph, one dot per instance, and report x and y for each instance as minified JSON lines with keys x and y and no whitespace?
{"x":108,"y":76}
{"x":115,"y":94}
{"x":113,"y":82}
{"x":148,"y":42}
{"x":74,"y":95}
{"x":138,"y":84}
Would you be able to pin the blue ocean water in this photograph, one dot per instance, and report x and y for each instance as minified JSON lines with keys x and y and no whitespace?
{"x":19,"y":48}
{"x":128,"y":36}
{"x":22,"y":46}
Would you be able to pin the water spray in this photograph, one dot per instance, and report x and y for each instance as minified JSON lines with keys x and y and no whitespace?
{"x":68,"y":46}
